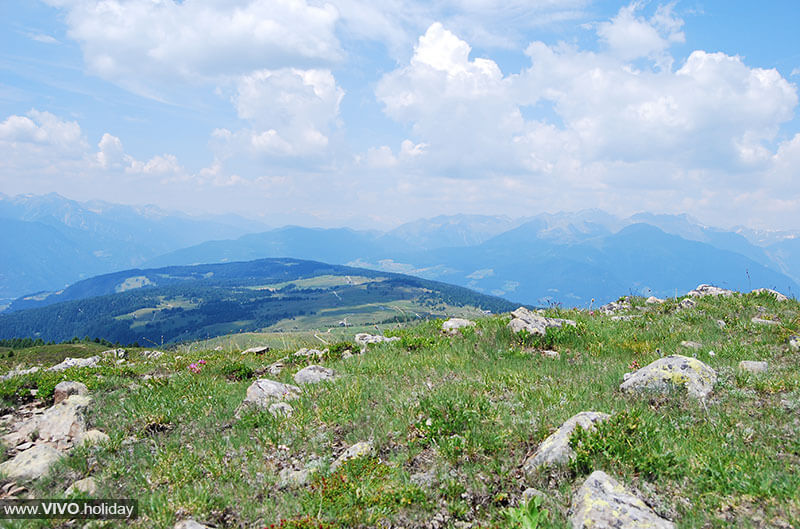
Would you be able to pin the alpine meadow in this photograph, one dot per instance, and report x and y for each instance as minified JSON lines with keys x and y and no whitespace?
{"x":337,"y":264}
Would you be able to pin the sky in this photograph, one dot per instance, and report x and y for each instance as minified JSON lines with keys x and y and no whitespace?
{"x":369,"y":114}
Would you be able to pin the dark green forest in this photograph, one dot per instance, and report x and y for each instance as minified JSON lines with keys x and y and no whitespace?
{"x":188,"y":303}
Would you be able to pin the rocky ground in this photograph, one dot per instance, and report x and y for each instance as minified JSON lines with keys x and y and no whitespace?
{"x":641,"y":413}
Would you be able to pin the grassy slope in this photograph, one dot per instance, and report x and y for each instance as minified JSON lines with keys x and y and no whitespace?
{"x":469,"y":408}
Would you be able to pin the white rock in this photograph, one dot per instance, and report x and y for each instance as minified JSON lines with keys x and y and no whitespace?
{"x":551,"y":354}
{"x":258,"y":350}
{"x":363,"y":339}
{"x":314,"y":374}
{"x":777,"y":295}
{"x":752,"y":366}
{"x":555,"y":449}
{"x":264,"y":392}
{"x":794,"y":343}
{"x":691,"y":345}
{"x":75,"y":362}
{"x":19,"y":371}
{"x":709,"y":290}
{"x":524,"y":319}
{"x":603,"y":503}
{"x":305,"y":352}
{"x":31,"y":464}
{"x":452,"y":325}
{"x":652,"y":300}
{"x":116,"y":353}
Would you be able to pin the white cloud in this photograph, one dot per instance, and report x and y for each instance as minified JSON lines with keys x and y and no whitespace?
{"x":39,"y":133}
{"x":137,"y":42}
{"x":290,"y":110}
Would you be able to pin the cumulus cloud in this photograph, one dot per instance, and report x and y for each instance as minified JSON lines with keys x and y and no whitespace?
{"x":290,"y":111}
{"x":139,"y":41}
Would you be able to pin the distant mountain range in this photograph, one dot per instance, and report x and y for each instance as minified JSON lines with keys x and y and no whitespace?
{"x":570,"y":258}
{"x":48,"y":242}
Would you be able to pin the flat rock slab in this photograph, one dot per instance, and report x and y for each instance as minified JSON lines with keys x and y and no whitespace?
{"x":75,"y":362}
{"x":314,"y":374}
{"x":259,"y":350}
{"x":264,"y":392}
{"x":17,"y":372}
{"x":361,"y":449}
{"x":762,"y":321}
{"x":31,"y":464}
{"x":777,"y":295}
{"x":363,"y":339}
{"x":669,"y":372}
{"x":86,"y":486}
{"x":709,"y":290}
{"x":753,"y":366}
{"x":65,"y":421}
{"x":66,"y":388}
{"x":527,"y":320}
{"x":603,"y":503}
{"x":555,"y":449}
{"x":281,"y":409}
{"x":452,"y":325}
{"x":691,"y":345}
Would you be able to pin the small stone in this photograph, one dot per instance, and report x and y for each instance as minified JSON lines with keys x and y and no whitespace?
{"x":712,"y":353}
{"x":530,"y":493}
{"x":721,"y":324}
{"x":281,"y":408}
{"x":555,"y":450}
{"x":92,"y":437}
{"x":314,"y":374}
{"x":290,"y":478}
{"x":687,"y":304}
{"x":425,"y":480}
{"x":691,"y":345}
{"x":794,"y":343}
{"x":115,"y":353}
{"x":275,"y":368}
{"x":190,"y":524}
{"x":152,"y":355}
{"x":752,"y":366}
{"x":652,"y":300}
{"x":86,"y":486}
{"x":360,"y":449}
{"x":66,"y":388}
{"x":31,"y":464}
{"x":452,"y":325}
{"x":24,"y":446}
{"x":672,"y":371}
{"x":258,"y":350}
{"x":762,"y":321}
{"x":603,"y":503}
{"x":551,"y":354}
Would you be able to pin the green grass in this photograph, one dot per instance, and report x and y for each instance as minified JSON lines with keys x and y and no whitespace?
{"x":467,"y":410}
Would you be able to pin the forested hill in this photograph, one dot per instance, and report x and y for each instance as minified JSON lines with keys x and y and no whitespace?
{"x":189,"y":302}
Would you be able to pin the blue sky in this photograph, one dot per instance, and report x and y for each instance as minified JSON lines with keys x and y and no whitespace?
{"x":352,"y":113}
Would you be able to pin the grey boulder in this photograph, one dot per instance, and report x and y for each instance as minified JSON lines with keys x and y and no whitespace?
{"x":669,"y":372}
{"x":752,"y":366}
{"x":314,"y":374}
{"x":264,"y":392}
{"x":452,"y":325}
{"x":709,"y":290}
{"x":555,"y":449}
{"x":604,"y":503}
{"x":527,"y":320}
{"x":31,"y":464}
